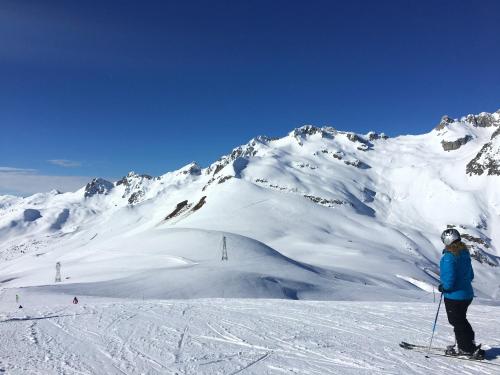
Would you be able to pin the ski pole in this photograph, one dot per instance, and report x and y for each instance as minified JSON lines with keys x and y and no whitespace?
{"x":434,"y":327}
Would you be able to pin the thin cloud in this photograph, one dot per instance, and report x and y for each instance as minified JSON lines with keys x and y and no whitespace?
{"x":23,"y":182}
{"x":65,"y":163}
{"x":16,"y":170}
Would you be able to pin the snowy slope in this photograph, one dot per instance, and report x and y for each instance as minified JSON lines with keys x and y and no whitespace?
{"x":230,"y":336}
{"x":317,"y":214}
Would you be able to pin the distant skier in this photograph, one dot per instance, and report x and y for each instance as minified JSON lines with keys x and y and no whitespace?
{"x":456,"y":279}
{"x":75,"y":301}
{"x":17,"y":298}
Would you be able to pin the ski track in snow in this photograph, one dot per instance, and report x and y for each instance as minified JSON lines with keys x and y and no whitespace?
{"x":232,"y":336}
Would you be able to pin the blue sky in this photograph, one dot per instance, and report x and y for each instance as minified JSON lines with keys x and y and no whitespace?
{"x":98,"y":88}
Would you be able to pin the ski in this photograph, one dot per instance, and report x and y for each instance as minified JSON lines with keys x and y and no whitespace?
{"x":407,"y":345}
{"x":478,"y":361}
{"x":439,"y":352}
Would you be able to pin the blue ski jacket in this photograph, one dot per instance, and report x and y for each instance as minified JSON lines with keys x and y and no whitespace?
{"x":457,"y":275}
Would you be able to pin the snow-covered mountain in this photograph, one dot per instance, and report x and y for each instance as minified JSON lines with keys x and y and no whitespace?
{"x":316,"y":214}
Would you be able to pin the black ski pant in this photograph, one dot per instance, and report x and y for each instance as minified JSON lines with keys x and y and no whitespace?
{"x":457,"y":316}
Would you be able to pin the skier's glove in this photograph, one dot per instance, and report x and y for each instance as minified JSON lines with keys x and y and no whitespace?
{"x":440,"y":288}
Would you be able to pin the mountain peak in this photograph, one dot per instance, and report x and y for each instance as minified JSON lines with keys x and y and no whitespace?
{"x":481,"y":120}
{"x":307,"y":130}
{"x":98,"y":186}
{"x":192,"y":169}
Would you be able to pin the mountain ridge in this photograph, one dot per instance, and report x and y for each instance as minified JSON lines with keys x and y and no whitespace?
{"x":364,"y":207}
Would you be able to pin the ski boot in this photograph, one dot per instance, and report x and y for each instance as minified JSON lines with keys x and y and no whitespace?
{"x":450,"y":350}
{"x":476,"y":353}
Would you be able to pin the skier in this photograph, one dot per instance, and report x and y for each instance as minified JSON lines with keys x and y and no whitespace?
{"x":456,"y":279}
{"x":75,"y":301}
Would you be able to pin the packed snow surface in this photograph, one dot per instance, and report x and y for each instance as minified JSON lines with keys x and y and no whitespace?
{"x":230,"y":336}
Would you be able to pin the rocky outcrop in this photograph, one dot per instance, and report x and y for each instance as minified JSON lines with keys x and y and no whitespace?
{"x":307,"y":130}
{"x":476,"y":247}
{"x":483,"y":120}
{"x":136,"y":186}
{"x":135,"y":197}
{"x":445,"y":120}
{"x":180,"y":208}
{"x":192,"y":169}
{"x":483,"y":162}
{"x":495,"y":134}
{"x":487,"y":159}
{"x":372,"y":136}
{"x":126,"y":180}
{"x":184,"y":206}
{"x":362,"y":144}
{"x":200,"y":204}
{"x":456,"y":144}
{"x":338,"y":155}
{"x":224,"y":179}
{"x":326,"y":202}
{"x":305,"y":165}
{"x":354,"y":137}
{"x":247,"y":151}
{"x":220,"y":180}
{"x":483,"y":257}
{"x":98,"y":186}
{"x":357,"y":163}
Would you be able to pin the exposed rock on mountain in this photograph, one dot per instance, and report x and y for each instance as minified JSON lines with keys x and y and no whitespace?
{"x":224,"y":179}
{"x":130,"y":177}
{"x":247,"y":151}
{"x":483,"y":120}
{"x":98,"y":186}
{"x":192,"y":169}
{"x":357,"y":163}
{"x":445,"y":120}
{"x":487,"y":159}
{"x":135,"y":187}
{"x":372,"y":136}
{"x":135,"y":197}
{"x":200,"y":203}
{"x":455,"y":145}
{"x":308,"y":130}
{"x":326,"y":202}
{"x":354,"y":138}
{"x":477,"y":248}
{"x":179,"y":209}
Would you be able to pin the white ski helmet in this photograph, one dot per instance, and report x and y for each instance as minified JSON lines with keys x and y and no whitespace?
{"x":449,"y":236}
